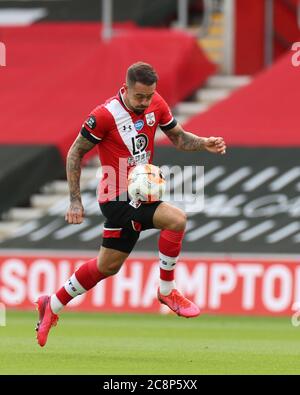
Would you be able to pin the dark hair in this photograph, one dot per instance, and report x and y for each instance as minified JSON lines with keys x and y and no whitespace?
{"x":141,"y":72}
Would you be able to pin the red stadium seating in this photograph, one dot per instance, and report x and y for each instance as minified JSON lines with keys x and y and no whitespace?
{"x":57,"y":73}
{"x":264,"y":113}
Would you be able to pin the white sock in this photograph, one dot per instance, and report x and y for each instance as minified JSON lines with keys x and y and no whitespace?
{"x":55,"y":304}
{"x":167,"y":265}
{"x":73,"y":288}
{"x":165,"y":287}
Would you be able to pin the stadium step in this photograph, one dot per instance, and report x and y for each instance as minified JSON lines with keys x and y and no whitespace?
{"x":23,"y":213}
{"x":216,"y":57}
{"x":217,"y":88}
{"x":59,"y":186}
{"x":87,"y":173}
{"x":210,"y":96}
{"x":8,"y":228}
{"x":180,"y":117}
{"x":45,"y":201}
{"x":211,"y":40}
{"x":189,"y":108}
{"x":216,"y":30}
{"x":228,"y":81}
{"x":212,"y":43}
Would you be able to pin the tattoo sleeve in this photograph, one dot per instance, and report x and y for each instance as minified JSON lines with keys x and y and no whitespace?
{"x":185,"y":141}
{"x":77,"y":151}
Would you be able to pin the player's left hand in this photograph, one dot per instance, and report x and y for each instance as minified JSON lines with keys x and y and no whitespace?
{"x":215,"y":145}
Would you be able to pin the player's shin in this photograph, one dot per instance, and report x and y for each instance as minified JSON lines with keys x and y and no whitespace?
{"x":169,"y":249}
{"x":85,"y":278}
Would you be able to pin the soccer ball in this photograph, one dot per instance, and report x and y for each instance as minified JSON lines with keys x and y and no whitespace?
{"x":146,"y":183}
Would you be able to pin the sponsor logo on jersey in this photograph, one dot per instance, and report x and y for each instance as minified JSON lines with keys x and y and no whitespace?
{"x":139,"y":159}
{"x":150,"y":119}
{"x":141,"y":142}
{"x":139,"y":125}
{"x":127,"y":128}
{"x":91,"y":122}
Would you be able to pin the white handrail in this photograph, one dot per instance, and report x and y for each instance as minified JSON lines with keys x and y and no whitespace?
{"x":107,"y":19}
{"x":182,"y":13}
{"x":269,"y":32}
{"x":229,"y":36}
{"x":208,"y":9}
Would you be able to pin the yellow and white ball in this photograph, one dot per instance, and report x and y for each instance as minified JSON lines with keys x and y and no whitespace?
{"x":146,"y":183}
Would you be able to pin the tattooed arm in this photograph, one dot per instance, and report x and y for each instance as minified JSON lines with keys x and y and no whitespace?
{"x":77,"y":151}
{"x":186,"y":141}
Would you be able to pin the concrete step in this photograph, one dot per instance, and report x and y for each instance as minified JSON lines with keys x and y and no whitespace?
{"x":210,"y":96}
{"x":211,"y":43}
{"x":228,"y":82}
{"x":94,"y":161}
{"x":87,"y":173}
{"x":217,"y":17}
{"x":8,"y":228}
{"x":186,"y":109}
{"x":216,"y":30}
{"x":181,"y":118}
{"x":59,"y":186}
{"x":23,"y":213}
{"x":45,"y":201}
{"x":216,"y":56}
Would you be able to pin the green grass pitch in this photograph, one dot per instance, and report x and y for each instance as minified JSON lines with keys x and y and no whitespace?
{"x":106,"y":344}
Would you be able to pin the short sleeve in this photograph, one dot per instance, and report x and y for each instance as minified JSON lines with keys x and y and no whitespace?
{"x":166,"y":121}
{"x":97,"y":125}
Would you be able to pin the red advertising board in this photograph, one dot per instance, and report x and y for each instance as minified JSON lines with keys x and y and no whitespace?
{"x":234,"y":285}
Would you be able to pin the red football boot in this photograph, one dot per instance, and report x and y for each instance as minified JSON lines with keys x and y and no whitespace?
{"x":179,"y":304}
{"x":47,"y":319}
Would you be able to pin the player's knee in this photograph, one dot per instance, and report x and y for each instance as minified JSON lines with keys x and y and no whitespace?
{"x":109,"y":269}
{"x":179,"y":222}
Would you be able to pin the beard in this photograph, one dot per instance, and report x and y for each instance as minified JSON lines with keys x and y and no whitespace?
{"x":139,"y":110}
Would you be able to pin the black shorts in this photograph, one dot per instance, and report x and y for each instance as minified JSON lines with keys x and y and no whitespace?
{"x":124,"y":222}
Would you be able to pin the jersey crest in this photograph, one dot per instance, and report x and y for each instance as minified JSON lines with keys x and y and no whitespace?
{"x":150,"y":118}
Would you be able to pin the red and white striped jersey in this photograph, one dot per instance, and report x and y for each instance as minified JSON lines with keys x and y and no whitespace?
{"x":124,"y":139}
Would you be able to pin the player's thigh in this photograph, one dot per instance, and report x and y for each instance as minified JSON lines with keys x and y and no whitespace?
{"x":110,"y":260}
{"x":130,"y":216}
{"x":169,"y":217}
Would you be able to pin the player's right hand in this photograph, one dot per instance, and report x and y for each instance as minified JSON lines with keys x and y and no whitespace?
{"x":75,"y":213}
